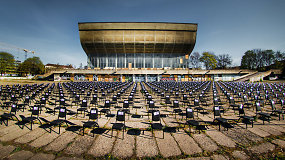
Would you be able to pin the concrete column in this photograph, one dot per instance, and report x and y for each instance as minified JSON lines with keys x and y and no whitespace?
{"x":133,"y":78}
{"x":145,"y":76}
{"x":88,"y":62}
{"x":121,"y":78}
{"x":157,"y":77}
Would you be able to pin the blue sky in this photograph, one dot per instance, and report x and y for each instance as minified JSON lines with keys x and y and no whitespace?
{"x":50,"y":27}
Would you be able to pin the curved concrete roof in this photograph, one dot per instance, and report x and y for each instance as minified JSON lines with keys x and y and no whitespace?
{"x":137,"y":37}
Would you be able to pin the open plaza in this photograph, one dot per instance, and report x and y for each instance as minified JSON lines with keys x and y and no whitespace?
{"x":141,"y":120}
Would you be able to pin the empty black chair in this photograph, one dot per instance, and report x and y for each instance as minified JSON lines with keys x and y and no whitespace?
{"x":216,"y":103}
{"x":94,"y":100}
{"x":92,"y":121}
{"x":189,"y":113}
{"x":185,"y":100}
{"x":76,"y":100}
{"x":34,"y":116}
{"x":232,"y":104}
{"x":121,"y":118}
{"x":246,"y":103}
{"x":83,"y":107}
{"x":126,"y":106}
{"x":220,"y":121}
{"x":156,"y":118}
{"x":60,"y":119}
{"x":176,"y":108}
{"x":197,"y":106}
{"x":276,"y":111}
{"x":245,"y":119}
{"x":9,"y":116}
{"x":106,"y":108}
{"x":115,"y":101}
{"x":167,"y":100}
{"x":26,"y":102}
{"x":263,"y":115}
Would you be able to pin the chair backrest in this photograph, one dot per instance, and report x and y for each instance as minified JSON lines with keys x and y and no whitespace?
{"x":257,"y":106}
{"x":95,"y":97}
{"x":217,"y":111}
{"x":114,"y":98}
{"x":126,"y":104}
{"x":84,"y":103}
{"x":216,"y":101}
{"x":184,"y":97}
{"x":189,"y":113}
{"x":232,"y":101}
{"x":156,"y":116}
{"x":244,"y":98}
{"x":175,"y":104}
{"x":13,"y":108}
{"x":196,"y":102}
{"x":273,"y":105}
{"x":130,"y":98}
{"x":149,"y":97}
{"x":62,"y":112}
{"x":77,"y":97}
{"x":151,"y":104}
{"x":43,"y":100}
{"x":167,"y":98}
{"x":107,"y":103}
{"x":241,"y":109}
{"x":13,"y":97}
{"x":120,"y":115}
{"x":62,"y":102}
{"x":93,"y":113}
{"x":27,"y":100}
{"x":35,"y":110}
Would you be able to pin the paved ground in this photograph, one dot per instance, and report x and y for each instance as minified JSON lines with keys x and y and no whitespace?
{"x":261,"y":141}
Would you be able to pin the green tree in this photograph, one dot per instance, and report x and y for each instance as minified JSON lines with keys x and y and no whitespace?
{"x":7,"y":62}
{"x":223,"y":61}
{"x":249,"y":60}
{"x":209,"y":60}
{"x":32,"y":66}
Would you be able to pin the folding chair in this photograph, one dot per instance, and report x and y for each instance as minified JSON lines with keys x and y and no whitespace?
{"x":34,"y":116}
{"x":93,"y":115}
{"x":119,"y":126}
{"x":156,"y":118}
{"x":9,"y":116}
{"x":276,"y":111}
{"x":263,"y":115}
{"x":60,"y":119}
{"x":245,"y":119}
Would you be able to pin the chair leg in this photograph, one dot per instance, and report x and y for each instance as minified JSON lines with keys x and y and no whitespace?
{"x":93,"y":131}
